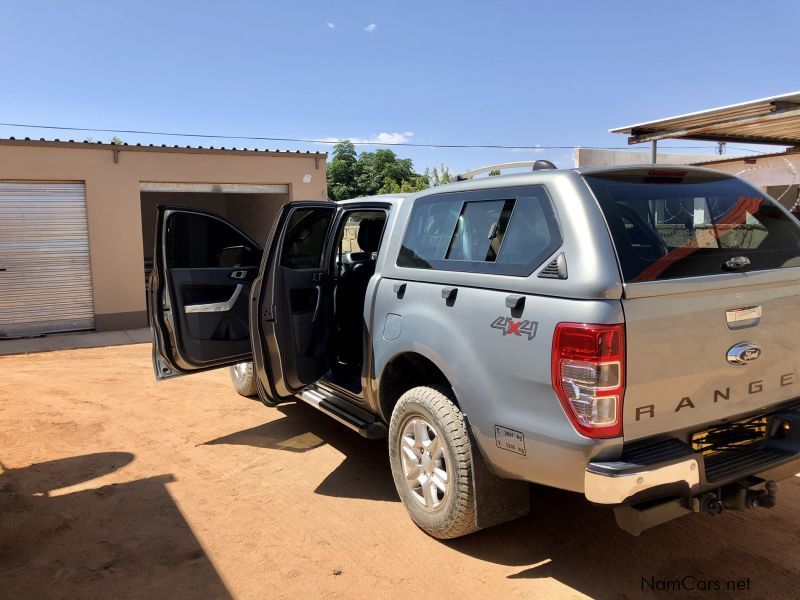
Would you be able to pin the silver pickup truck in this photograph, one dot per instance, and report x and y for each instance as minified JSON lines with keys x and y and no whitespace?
{"x":631,"y":334}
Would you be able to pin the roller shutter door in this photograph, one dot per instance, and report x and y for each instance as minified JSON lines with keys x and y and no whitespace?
{"x":45,"y":275}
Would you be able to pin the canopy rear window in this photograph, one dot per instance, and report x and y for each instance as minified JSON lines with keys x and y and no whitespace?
{"x":674,"y":224}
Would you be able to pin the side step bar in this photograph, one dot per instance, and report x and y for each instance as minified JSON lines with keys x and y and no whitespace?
{"x":350,"y":416}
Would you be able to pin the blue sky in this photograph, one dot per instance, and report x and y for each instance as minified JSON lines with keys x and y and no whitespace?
{"x":513,"y":73}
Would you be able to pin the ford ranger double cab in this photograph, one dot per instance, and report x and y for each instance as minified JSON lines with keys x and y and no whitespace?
{"x":631,"y":334}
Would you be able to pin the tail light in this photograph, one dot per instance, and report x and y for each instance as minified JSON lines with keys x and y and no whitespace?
{"x":589,"y":376}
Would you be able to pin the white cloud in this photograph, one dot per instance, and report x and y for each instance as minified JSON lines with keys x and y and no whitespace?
{"x":370,"y":28}
{"x":536,"y":149}
{"x":330,"y":25}
{"x":381,"y":138}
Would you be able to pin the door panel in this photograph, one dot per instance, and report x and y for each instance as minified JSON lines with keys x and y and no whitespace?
{"x":292,"y":312}
{"x":214,"y":318}
{"x":200,"y":292}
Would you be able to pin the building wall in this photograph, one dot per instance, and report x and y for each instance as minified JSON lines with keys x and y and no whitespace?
{"x":589,"y":157}
{"x":778,"y":175}
{"x":780,"y":169}
{"x":114,"y":207}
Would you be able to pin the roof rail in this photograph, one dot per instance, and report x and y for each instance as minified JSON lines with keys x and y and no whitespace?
{"x":537,"y":165}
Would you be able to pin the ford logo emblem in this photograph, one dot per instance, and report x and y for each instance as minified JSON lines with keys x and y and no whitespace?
{"x":743,"y":353}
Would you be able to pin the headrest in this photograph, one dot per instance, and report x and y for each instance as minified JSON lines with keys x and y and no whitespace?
{"x":369,"y":234}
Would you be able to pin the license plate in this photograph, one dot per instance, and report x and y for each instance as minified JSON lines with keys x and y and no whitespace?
{"x":730,"y":436}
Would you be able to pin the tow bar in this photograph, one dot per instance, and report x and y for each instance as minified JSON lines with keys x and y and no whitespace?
{"x":739,"y":496}
{"x":748,"y":493}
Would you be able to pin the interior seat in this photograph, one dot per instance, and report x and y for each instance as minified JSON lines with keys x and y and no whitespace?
{"x":351,"y":291}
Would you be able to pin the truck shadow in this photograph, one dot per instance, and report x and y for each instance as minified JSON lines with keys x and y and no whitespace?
{"x":364,"y":473}
{"x":567,"y":539}
{"x":578,"y":544}
{"x":120,"y":540}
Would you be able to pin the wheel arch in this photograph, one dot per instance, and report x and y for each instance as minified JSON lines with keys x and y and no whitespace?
{"x":408,"y":370}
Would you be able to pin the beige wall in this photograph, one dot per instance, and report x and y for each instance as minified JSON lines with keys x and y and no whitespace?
{"x":782,"y":169}
{"x":778,"y":175}
{"x":592,"y":157}
{"x":114,"y":207}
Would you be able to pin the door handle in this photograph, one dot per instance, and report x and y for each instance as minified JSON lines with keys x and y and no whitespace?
{"x":513,"y":301}
{"x":399,"y":289}
{"x":449,"y":293}
{"x":238,"y":274}
{"x":316,"y":306}
{"x":215,"y":306}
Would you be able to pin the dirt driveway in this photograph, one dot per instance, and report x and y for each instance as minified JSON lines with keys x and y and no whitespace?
{"x":115,"y":486}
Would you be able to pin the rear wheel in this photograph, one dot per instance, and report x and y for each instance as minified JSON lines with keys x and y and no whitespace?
{"x":243,"y":378}
{"x":431,"y":460}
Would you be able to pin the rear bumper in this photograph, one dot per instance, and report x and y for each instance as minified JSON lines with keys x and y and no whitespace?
{"x":668,"y":468}
{"x":620,"y":483}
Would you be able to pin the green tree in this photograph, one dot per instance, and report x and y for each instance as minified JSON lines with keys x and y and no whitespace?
{"x":381,"y":172}
{"x":342,"y":172}
{"x":441,"y":175}
{"x":494,"y":172}
{"x":446,"y":177}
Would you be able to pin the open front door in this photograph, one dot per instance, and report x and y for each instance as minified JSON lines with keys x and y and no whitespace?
{"x":199,"y":291}
{"x":292,"y":315}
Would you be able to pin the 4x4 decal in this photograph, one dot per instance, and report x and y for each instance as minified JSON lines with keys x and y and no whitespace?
{"x":508,"y":326}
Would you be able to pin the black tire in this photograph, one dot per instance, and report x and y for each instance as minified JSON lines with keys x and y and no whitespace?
{"x":455,"y":514}
{"x":266,"y":400}
{"x":243,"y":379}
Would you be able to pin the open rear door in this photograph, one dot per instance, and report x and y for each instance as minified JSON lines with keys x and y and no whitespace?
{"x":199,"y":292}
{"x":292,"y":312}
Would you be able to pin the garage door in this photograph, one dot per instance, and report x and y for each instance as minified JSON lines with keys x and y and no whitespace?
{"x":45,"y":276}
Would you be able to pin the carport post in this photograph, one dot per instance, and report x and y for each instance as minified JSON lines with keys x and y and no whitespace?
{"x":653,"y":151}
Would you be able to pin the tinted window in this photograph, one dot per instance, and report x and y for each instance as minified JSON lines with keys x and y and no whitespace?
{"x":667,"y":229}
{"x":429,"y":232}
{"x":201,"y":241}
{"x":532,"y":229}
{"x":508,"y":231}
{"x":479,"y":230}
{"x":305,"y":238}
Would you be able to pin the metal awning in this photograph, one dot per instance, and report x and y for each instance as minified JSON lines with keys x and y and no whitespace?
{"x":774,"y":121}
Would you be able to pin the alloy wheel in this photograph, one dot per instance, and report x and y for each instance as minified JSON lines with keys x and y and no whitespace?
{"x":425,"y":462}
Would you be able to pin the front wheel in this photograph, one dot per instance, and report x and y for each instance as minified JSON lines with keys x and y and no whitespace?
{"x":243,"y":378}
{"x":431,"y":460}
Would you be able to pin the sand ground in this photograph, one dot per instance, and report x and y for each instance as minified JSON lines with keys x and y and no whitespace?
{"x":115,"y":486}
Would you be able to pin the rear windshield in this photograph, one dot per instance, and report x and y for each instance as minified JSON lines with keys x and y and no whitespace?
{"x":673,"y":227}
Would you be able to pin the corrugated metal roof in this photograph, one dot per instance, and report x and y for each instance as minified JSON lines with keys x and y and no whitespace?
{"x":774,"y":120}
{"x":11,"y":141}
